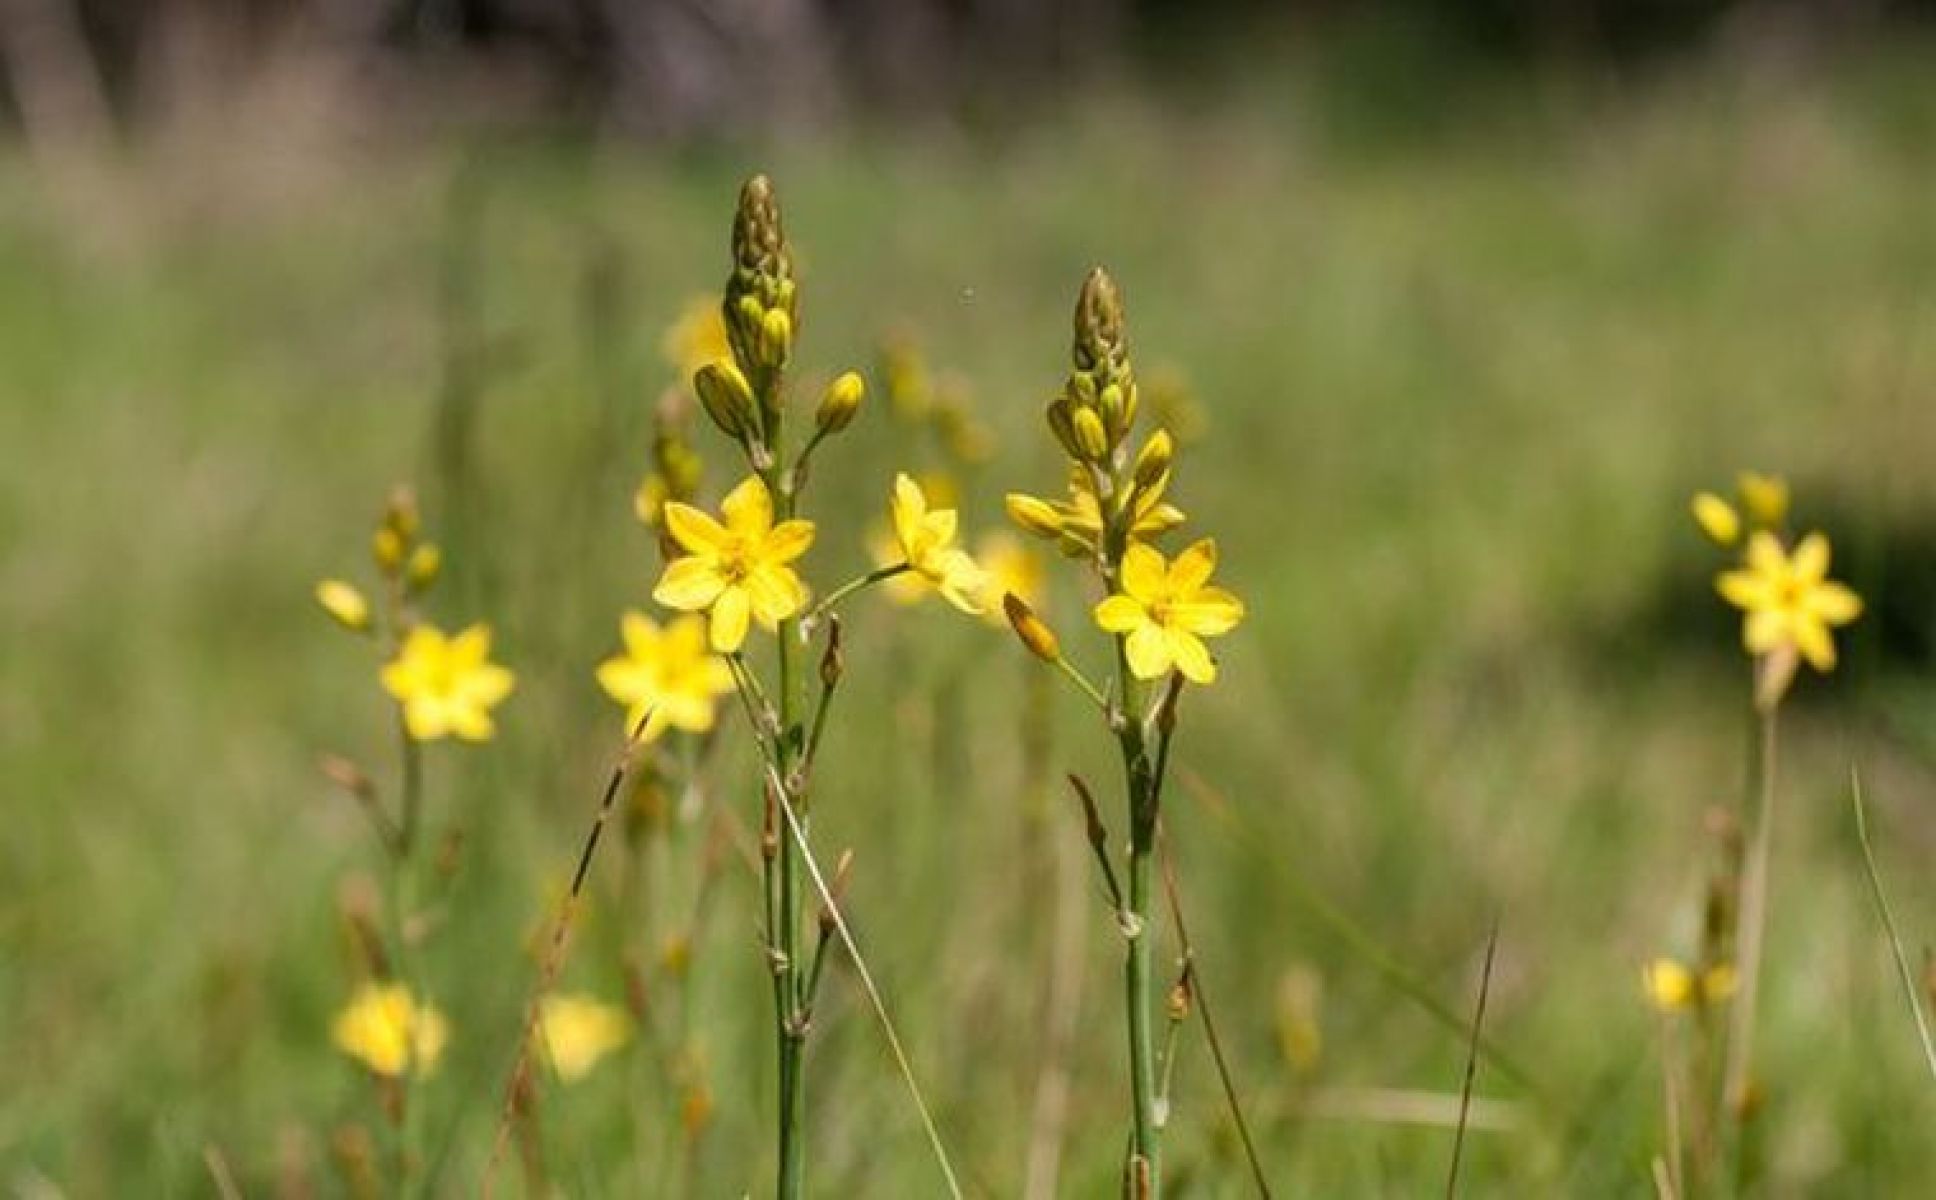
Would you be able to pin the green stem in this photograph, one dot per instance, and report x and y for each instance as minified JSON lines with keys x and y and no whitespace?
{"x":1753,"y":916}
{"x":403,"y":900}
{"x":877,"y":575}
{"x":1145,"y":1146}
{"x":789,"y":1021}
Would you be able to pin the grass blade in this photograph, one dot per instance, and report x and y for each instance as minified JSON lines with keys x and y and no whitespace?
{"x":1903,"y":972}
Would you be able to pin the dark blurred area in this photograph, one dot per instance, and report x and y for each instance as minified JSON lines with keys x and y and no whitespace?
{"x":97,"y":70}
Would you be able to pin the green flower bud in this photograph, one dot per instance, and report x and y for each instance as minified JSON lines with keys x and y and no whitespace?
{"x":1091,"y":439}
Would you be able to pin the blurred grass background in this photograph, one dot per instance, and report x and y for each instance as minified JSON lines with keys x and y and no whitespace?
{"x":1461,"y":367}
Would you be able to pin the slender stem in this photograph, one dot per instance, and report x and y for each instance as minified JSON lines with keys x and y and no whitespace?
{"x":1082,"y":681}
{"x":403,"y":865}
{"x":1753,"y":919}
{"x":1909,"y":993}
{"x":877,"y":575}
{"x":1471,"y":1064}
{"x":789,"y":1023}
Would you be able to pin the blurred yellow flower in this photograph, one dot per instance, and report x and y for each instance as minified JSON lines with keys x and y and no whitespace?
{"x":1765,"y":497}
{"x":1717,"y":518}
{"x":447,"y":684}
{"x":1166,"y":608}
{"x":1789,"y":599}
{"x":345,"y":605}
{"x":577,"y":1031}
{"x":884,"y":549}
{"x":1012,"y":569}
{"x":666,"y":677}
{"x":696,"y":337}
{"x":1672,"y":987}
{"x":388,"y":1030}
{"x":738,"y":569}
{"x":926,"y":538}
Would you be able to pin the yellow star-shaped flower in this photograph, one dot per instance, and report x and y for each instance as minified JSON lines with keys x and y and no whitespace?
{"x":666,"y":677}
{"x":926,"y":538}
{"x":1165,"y":609}
{"x":1789,"y":599}
{"x":447,"y":685}
{"x":388,"y":1030}
{"x":739,"y":569}
{"x":577,"y":1031}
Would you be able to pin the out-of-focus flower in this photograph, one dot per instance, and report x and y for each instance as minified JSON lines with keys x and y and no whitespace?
{"x":696,"y":337}
{"x":447,"y":685}
{"x":1011,"y":569}
{"x":344,"y":604}
{"x":1717,"y":518}
{"x":1788,"y":599}
{"x":577,"y":1031}
{"x":927,"y":543}
{"x":666,"y":677}
{"x":1673,"y":987}
{"x":389,"y":1031}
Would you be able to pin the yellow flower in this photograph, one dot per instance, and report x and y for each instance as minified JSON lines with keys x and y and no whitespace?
{"x":697,"y":337}
{"x":345,"y":605}
{"x":577,"y":1031}
{"x":1765,"y":497}
{"x":738,"y":569}
{"x":1078,"y":520}
{"x":1012,"y":569}
{"x":1789,"y":599}
{"x":1167,"y":608}
{"x":388,"y":1030}
{"x":926,"y":538}
{"x":447,"y":684}
{"x":666,"y":673}
{"x":1671,"y":987}
{"x":885,"y":551}
{"x":1717,"y":518}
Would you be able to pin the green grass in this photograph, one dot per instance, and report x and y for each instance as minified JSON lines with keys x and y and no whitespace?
{"x":1459,"y":386}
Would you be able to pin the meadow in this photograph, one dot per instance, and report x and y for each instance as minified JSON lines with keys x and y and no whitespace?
{"x":1458,"y":376}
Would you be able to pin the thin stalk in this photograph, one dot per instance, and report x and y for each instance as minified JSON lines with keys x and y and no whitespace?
{"x":1908,"y":978}
{"x":877,"y":575}
{"x":1671,"y":1163}
{"x":555,"y":957}
{"x":403,"y":900}
{"x":789,"y":1027}
{"x":1471,"y":1064}
{"x":1753,"y":917}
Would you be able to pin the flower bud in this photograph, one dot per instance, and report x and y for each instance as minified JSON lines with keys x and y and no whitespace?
{"x":726,"y":397}
{"x":1034,"y":632}
{"x":1112,"y":407}
{"x":425,"y":563}
{"x":1153,"y":462}
{"x":344,"y":604}
{"x":776,"y":338}
{"x":387,"y":547}
{"x":400,"y":513}
{"x":839,"y":404}
{"x":1090,"y":437}
{"x":1717,"y":519}
{"x":1034,"y":515}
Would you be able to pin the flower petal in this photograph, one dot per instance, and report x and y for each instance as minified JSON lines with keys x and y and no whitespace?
{"x":1191,"y":569}
{"x":1120,"y":614}
{"x":748,"y":508}
{"x":1765,"y":555}
{"x":470,"y":648}
{"x":1810,"y":561}
{"x":907,"y":506}
{"x":1764,"y":629}
{"x":1143,"y":573}
{"x":1192,"y":658}
{"x":1148,"y":651}
{"x":1744,"y":589}
{"x":693,"y":529}
{"x":774,"y":593}
{"x":689,"y":583}
{"x":625,"y":680}
{"x":788,"y":541}
{"x":641,"y":634}
{"x":730,"y":613}
{"x":1210,"y":612}
{"x":487,"y":685}
{"x":1813,"y":640}
{"x":1834,"y":603}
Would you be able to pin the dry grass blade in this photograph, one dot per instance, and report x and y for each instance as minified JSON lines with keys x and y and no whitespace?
{"x":554,"y":959}
{"x":1889,"y":924}
{"x":1471,"y":1062}
{"x":1172,"y":893}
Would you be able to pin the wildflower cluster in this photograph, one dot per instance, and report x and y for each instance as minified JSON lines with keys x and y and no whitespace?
{"x":1157,"y":611}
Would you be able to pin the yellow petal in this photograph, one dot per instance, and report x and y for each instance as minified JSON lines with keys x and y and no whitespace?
{"x":1744,"y":589}
{"x":1765,"y":497}
{"x":1813,"y":640}
{"x":640,"y":633}
{"x":1669,"y":985}
{"x":470,"y":647}
{"x":694,"y":530}
{"x":730,"y":614}
{"x":471,"y":723}
{"x":1834,"y":603}
{"x":788,"y":541}
{"x":426,"y":718}
{"x":625,"y":680}
{"x":1148,"y":651}
{"x":1810,"y":562}
{"x":1143,"y":573}
{"x":1193,"y":567}
{"x":1765,"y":554}
{"x":1120,"y":614}
{"x":907,"y":506}
{"x":1764,"y":629}
{"x":1192,"y":658}
{"x":488,"y":684}
{"x":748,"y":508}
{"x":774,"y":593}
{"x":689,"y":583}
{"x":1210,"y":612}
